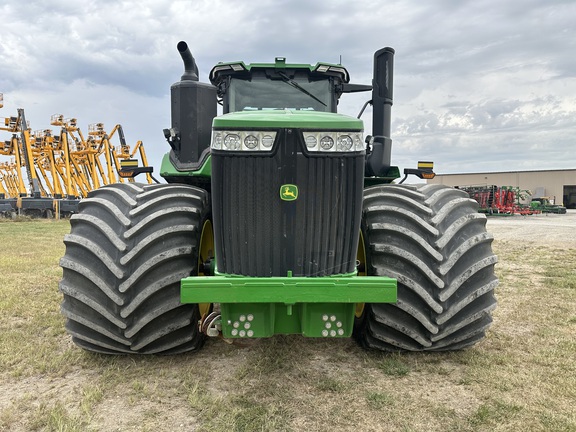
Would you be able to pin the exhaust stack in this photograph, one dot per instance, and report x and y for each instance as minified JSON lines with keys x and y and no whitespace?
{"x":378,"y":161}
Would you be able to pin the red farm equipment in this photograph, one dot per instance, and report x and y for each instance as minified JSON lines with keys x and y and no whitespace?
{"x":499,"y":200}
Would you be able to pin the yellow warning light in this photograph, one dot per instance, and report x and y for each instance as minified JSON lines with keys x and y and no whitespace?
{"x":129,"y":163}
{"x":425,"y":165}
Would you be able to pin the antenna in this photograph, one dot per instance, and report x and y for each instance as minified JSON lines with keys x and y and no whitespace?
{"x":340,"y":62}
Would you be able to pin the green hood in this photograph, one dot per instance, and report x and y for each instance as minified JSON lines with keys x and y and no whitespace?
{"x":314,"y":120}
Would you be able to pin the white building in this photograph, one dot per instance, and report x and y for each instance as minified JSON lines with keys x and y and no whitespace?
{"x":558,"y":185}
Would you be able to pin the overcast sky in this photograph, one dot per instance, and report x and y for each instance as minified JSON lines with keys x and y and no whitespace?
{"x":479,"y":85}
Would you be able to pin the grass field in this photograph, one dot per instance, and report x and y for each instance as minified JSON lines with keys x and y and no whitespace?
{"x":522,"y":377}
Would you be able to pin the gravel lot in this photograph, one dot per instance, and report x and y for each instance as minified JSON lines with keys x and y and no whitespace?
{"x":552,"y":229}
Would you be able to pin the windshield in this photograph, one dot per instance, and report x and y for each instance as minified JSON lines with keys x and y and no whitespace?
{"x":265,"y":94}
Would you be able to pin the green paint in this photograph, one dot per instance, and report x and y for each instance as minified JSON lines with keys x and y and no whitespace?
{"x":169,"y":170}
{"x":314,"y":307}
{"x":276,"y":119}
{"x":252,"y":320}
{"x":335,"y":289}
{"x":392,"y":174}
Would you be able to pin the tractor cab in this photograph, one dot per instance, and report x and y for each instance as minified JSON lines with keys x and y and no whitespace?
{"x":278,"y":86}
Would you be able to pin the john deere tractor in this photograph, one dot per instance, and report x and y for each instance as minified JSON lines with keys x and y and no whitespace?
{"x":278,"y":217}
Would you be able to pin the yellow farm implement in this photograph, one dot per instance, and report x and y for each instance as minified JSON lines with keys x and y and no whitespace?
{"x":48,"y":171}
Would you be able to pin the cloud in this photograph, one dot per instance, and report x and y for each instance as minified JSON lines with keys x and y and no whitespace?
{"x":478,"y":85}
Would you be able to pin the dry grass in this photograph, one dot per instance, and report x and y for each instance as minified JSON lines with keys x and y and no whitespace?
{"x":522,"y":377}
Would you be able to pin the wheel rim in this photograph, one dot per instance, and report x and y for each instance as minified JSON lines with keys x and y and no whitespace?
{"x":205,"y":252}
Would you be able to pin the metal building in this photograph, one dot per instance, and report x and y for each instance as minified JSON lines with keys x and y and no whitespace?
{"x":558,"y":185}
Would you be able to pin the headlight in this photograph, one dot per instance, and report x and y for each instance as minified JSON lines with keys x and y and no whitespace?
{"x":251,"y":142}
{"x":243,"y":140}
{"x":311,"y":142}
{"x":232,"y":142}
{"x":326,"y":142}
{"x":217,"y":140}
{"x":268,"y":140}
{"x":334,"y":141}
{"x":345,"y":143}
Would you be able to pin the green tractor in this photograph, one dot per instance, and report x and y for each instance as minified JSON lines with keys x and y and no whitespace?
{"x":545,"y":205}
{"x":277,"y":217}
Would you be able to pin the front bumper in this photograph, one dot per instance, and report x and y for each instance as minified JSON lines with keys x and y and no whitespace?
{"x":262,"y":307}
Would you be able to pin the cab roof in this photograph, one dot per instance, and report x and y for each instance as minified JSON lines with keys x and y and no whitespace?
{"x":240,"y":69}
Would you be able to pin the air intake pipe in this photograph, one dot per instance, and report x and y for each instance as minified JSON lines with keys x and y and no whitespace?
{"x":378,"y":161}
{"x":190,"y":68}
{"x":193,"y":106}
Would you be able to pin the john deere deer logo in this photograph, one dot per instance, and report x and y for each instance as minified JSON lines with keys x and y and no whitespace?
{"x":288,"y":192}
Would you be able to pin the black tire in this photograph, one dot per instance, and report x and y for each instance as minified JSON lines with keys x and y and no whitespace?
{"x":128,"y":249}
{"x":432,"y":239}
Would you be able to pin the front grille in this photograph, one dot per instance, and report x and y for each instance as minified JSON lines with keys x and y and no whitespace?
{"x":258,"y":234}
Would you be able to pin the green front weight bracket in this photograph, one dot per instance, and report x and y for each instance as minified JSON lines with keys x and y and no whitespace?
{"x":261,"y":307}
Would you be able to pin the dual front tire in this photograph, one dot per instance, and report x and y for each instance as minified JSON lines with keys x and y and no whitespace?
{"x":432,"y":239}
{"x":128,"y":249}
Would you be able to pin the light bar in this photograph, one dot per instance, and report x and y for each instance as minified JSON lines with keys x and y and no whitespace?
{"x":236,"y":67}
{"x":231,"y":140}
{"x":330,"y":68}
{"x":341,"y":142}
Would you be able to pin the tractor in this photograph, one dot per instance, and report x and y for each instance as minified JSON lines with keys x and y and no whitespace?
{"x":278,"y":216}
{"x":546,"y":205}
